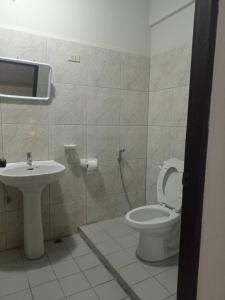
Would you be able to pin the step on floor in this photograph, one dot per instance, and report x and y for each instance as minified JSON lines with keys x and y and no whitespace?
{"x":115,"y":244}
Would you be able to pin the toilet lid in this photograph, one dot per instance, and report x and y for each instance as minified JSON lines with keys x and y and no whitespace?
{"x":169,"y":184}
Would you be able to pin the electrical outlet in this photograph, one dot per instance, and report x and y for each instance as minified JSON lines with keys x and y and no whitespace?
{"x":74,"y":58}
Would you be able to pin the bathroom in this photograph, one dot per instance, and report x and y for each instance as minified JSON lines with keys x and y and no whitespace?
{"x":112,"y":123}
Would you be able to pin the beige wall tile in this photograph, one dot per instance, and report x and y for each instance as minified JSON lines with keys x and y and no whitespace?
{"x":103,"y":106}
{"x":64,"y":71}
{"x":134,"y":174}
{"x":134,"y":140}
{"x":134,"y":72}
{"x":24,"y":112}
{"x":70,"y":187}
{"x":14,"y":198}
{"x":160,"y":108}
{"x":65,"y":218}
{"x":60,"y":135}
{"x":68,"y":105}
{"x":20,"y":139}
{"x":105,"y":181}
{"x":170,"y":69}
{"x":14,"y":239}
{"x":103,"y":142}
{"x":134,"y":108}
{"x":104,"y":68}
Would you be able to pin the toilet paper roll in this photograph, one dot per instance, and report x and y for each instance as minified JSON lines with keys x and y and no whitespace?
{"x":90,"y":164}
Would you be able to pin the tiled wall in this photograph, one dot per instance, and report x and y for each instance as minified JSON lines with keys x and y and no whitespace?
{"x":168,"y":103}
{"x":101,"y":105}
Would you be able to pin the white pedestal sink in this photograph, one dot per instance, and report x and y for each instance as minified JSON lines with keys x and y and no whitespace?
{"x":31,"y":182}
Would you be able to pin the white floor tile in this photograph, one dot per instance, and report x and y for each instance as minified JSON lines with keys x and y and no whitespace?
{"x":120,"y":259}
{"x":65,"y":268}
{"x":133,"y":273}
{"x":11,"y":269}
{"x":79,"y":250}
{"x":58,"y":252}
{"x":49,"y":291}
{"x":132,"y":251}
{"x":40,"y":276}
{"x":98,"y":236}
{"x":169,"y":279}
{"x":127,"y":241}
{"x":117,"y":230}
{"x":159,"y":267}
{"x":150,"y":290}
{"x":13,"y":284}
{"x":74,"y":284}
{"x":110,"y":290}
{"x":88,"y":261}
{"x":24,"y":295}
{"x":91,"y":227}
{"x":98,"y":275}
{"x":108,"y":247}
{"x":86,"y":295}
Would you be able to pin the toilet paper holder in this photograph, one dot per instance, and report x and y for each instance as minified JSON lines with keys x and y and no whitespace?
{"x":90,"y":164}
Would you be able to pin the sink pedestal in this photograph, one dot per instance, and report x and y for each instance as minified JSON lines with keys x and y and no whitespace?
{"x":33,"y":230}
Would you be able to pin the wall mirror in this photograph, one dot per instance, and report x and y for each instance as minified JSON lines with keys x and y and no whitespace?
{"x":23,"y":79}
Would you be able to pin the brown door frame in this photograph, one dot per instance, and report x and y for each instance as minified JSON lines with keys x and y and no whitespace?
{"x":203,"y":49}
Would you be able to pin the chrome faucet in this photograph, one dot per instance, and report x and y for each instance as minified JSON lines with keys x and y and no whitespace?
{"x":29,"y":160}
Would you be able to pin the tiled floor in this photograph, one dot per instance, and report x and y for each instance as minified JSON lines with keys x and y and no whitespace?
{"x":116,"y":244}
{"x":69,"y":270}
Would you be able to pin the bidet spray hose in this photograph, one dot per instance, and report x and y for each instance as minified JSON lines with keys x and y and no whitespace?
{"x":120,"y":158}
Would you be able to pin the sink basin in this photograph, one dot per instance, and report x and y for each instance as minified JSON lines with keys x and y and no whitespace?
{"x":20,"y":176}
{"x":31,"y":181}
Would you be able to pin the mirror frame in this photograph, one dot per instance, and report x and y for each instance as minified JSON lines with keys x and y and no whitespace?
{"x":31,"y":63}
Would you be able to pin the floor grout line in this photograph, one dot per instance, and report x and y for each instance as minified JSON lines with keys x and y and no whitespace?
{"x":163,"y":286}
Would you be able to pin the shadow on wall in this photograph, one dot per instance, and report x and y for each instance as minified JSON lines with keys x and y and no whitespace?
{"x":66,"y":219}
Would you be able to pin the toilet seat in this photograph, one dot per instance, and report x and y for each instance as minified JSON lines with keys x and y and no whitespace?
{"x":169,"y":184}
{"x":151,"y":216}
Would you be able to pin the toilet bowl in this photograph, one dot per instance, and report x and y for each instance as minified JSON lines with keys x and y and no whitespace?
{"x":159,"y":224}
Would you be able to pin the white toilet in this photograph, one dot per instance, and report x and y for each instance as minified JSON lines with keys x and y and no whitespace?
{"x":159,"y":224}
